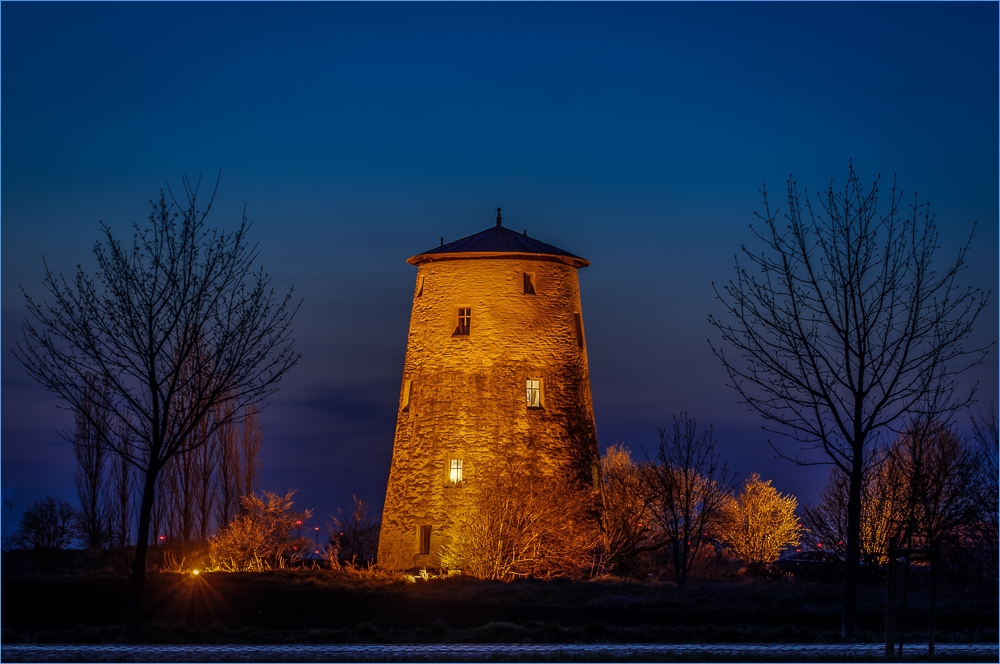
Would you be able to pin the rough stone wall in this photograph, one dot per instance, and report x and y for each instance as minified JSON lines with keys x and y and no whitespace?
{"x":467,"y":399}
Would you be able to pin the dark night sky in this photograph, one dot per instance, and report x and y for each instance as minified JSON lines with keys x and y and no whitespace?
{"x":635,"y":135}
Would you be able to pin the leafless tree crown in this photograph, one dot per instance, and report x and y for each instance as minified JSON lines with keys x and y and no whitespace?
{"x":177,"y":323}
{"x":842,"y":325}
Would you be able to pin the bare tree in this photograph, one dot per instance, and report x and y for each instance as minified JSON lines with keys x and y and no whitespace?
{"x":7,"y":508}
{"x":91,"y":452}
{"x":237,"y":444}
{"x":228,"y":456}
{"x":249,"y":468}
{"x":688,"y":484}
{"x":354,"y":534}
{"x":940,"y":473}
{"x":883,"y":494}
{"x":159,"y":520}
{"x":235,"y":453}
{"x":627,"y":524}
{"x":178,"y":485}
{"x":986,"y":438}
{"x":120,"y":496}
{"x":49,"y":523}
{"x":841,"y":328}
{"x":205,"y":486}
{"x":177,"y":323}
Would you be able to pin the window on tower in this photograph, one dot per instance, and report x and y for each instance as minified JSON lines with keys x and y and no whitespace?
{"x":425,"y":539}
{"x":529,"y":286}
{"x":534,"y":392}
{"x":455,"y":471}
{"x":407,"y":391}
{"x":464,"y":321}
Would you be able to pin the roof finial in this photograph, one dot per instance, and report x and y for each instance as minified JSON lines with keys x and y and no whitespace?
{"x":498,"y":217}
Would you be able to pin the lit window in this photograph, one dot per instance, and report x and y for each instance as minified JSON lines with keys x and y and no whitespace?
{"x":425,"y":539}
{"x":464,"y":321}
{"x":455,"y":471}
{"x":534,"y":392}
{"x":529,"y":287}
{"x":407,"y":391}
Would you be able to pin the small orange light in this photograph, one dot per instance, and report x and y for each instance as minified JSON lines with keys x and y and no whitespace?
{"x":195,"y":572}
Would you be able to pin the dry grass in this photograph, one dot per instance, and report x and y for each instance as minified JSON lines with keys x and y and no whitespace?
{"x":362,"y":605}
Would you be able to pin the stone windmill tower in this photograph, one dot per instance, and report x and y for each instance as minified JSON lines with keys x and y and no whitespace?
{"x":496,"y":357}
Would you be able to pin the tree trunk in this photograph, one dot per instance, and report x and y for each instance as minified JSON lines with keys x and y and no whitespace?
{"x":849,"y":627}
{"x":141,"y":548}
{"x":680,"y":565}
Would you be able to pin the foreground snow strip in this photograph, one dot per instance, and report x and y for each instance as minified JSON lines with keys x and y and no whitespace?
{"x":446,"y":652}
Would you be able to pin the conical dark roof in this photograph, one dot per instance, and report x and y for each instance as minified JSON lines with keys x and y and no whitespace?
{"x":497,"y":239}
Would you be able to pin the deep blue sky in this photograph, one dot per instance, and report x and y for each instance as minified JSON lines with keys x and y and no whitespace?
{"x":635,"y":135}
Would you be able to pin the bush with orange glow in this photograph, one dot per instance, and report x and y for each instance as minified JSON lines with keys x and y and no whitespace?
{"x":263,"y":538}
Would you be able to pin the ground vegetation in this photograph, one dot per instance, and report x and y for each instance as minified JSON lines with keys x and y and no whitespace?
{"x":92,"y":456}
{"x":523,"y":520}
{"x":266,"y":536}
{"x":297,"y":606}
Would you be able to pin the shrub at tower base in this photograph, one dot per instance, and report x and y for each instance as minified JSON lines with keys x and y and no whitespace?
{"x":522,"y":522}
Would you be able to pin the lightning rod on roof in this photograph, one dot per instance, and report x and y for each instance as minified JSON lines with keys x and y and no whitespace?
{"x":498,"y":217}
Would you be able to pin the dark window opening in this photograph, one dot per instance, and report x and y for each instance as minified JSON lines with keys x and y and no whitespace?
{"x":579,"y":329}
{"x":464,"y":321}
{"x":529,"y":288}
{"x":425,"y":539}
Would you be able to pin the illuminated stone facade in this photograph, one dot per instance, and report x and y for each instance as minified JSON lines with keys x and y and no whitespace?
{"x":491,"y":312}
